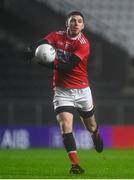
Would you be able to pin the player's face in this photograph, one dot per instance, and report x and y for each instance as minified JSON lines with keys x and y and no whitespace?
{"x":75,"y":25}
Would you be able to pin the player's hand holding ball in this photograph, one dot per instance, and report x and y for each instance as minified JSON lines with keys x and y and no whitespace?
{"x":45,"y":54}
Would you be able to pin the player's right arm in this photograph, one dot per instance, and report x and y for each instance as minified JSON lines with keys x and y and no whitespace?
{"x":30,"y":50}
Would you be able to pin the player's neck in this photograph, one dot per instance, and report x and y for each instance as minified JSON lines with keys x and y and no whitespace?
{"x":72,"y":36}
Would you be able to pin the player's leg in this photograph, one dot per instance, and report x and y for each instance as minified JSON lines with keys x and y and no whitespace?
{"x":64,"y":108}
{"x":86,"y":110}
{"x":91,"y":125}
{"x":65,"y":119}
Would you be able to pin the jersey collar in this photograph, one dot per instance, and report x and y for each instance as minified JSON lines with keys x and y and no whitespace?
{"x":74,"y":38}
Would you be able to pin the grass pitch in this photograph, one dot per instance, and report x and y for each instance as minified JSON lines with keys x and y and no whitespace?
{"x":54,"y":164}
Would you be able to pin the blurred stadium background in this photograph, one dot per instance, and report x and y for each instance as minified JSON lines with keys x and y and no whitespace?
{"x":27,"y":118}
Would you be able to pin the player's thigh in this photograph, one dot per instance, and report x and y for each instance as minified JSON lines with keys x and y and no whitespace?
{"x":88,"y":118}
{"x":62,"y":98}
{"x":84,"y":101}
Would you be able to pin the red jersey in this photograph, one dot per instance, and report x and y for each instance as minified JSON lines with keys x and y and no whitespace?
{"x":66,"y":46}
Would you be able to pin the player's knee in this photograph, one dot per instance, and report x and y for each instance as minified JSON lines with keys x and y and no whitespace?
{"x":86,"y":114}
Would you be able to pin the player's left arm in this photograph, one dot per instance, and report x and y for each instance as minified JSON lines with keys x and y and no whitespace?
{"x":68,"y":66}
{"x":81,"y":51}
{"x":63,"y":66}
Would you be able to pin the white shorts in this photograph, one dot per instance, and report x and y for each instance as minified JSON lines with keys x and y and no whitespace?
{"x":78,"y":98}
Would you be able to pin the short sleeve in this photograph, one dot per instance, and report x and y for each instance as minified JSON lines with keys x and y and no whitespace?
{"x":51,"y":37}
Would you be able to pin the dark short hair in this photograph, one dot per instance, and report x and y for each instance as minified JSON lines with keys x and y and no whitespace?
{"x":75,"y":13}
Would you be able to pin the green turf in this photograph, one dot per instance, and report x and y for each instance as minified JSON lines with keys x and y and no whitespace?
{"x":54,"y":164}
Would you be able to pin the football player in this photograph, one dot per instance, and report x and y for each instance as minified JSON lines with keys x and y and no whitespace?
{"x":71,"y":84}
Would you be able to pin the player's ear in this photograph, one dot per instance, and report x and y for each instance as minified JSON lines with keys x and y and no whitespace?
{"x":83,"y":26}
{"x":67,"y":22}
